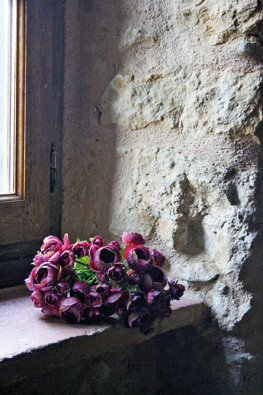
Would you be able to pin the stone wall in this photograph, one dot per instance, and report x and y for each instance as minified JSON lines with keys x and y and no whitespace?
{"x":162,"y":135}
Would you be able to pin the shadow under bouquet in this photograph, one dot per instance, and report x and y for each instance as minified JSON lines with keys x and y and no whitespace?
{"x":85,"y":281}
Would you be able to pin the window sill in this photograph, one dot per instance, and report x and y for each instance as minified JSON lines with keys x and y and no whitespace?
{"x":28,"y":337}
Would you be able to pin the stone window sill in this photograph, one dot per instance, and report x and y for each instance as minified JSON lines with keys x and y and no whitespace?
{"x":27,"y":335}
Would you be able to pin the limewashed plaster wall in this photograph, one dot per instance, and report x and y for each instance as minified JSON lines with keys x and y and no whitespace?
{"x":163,"y":135}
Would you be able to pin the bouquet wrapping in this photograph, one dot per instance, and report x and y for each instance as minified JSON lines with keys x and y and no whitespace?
{"x":87,"y":280}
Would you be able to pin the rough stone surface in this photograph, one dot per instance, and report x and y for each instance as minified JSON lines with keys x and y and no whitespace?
{"x":199,"y":103}
{"x":200,"y":211}
{"x":220,"y":21}
{"x":163,"y":134}
{"x":134,"y":36}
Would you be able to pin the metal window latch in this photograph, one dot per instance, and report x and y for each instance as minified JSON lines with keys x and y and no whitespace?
{"x":53,"y":168}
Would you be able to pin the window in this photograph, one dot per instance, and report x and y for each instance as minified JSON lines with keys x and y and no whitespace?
{"x":32,"y":211}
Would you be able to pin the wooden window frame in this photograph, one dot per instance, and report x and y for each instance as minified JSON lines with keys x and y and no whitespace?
{"x":33,"y":212}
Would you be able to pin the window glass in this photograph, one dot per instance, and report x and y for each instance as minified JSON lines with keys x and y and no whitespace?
{"x":7,"y":94}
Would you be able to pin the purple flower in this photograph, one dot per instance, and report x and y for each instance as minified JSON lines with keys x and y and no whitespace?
{"x":94,"y":299}
{"x":134,"y":277}
{"x":176,"y":290}
{"x":107,"y":308}
{"x":71,"y":309}
{"x":52,"y":299}
{"x":103,"y":289}
{"x":45,"y":276}
{"x":50,"y":310}
{"x":159,"y":278}
{"x":50,"y":243}
{"x":91,"y":315}
{"x":160,"y":303}
{"x":117,"y":273}
{"x":135,"y":303}
{"x":93,"y":248}
{"x":62,"y":288}
{"x":139,"y":258}
{"x":133,"y":238}
{"x":115,"y":245}
{"x":98,"y":240}
{"x":67,"y":258}
{"x":68,"y":274}
{"x":37,"y":298}
{"x":159,"y":259}
{"x":104,"y":258}
{"x":80,"y":289}
{"x":80,"y":248}
{"x":102,"y":277}
{"x":145,"y":284}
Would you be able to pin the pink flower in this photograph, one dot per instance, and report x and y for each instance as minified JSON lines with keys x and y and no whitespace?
{"x":98,"y":240}
{"x":45,"y":276}
{"x":115,"y":245}
{"x":50,"y":243}
{"x":133,"y":238}
{"x":51,"y":310}
{"x":37,"y":298}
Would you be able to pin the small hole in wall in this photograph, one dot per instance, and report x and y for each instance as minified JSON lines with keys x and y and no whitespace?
{"x":232,"y":195}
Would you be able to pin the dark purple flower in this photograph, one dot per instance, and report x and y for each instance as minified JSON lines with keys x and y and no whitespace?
{"x":159,"y":278}
{"x":102,"y":277}
{"x":103,"y":289}
{"x":62,"y":288}
{"x":159,"y":259}
{"x":139,"y":258}
{"x":45,"y":276}
{"x":147,"y":323}
{"x":120,"y":298}
{"x":107,"y":308}
{"x":80,"y":289}
{"x":80,"y":249}
{"x":176,"y":290}
{"x":134,"y":277}
{"x":37,"y":298}
{"x":145,"y":284}
{"x":67,"y":258}
{"x":160,"y":303}
{"x":133,"y":238}
{"x":117,"y":273}
{"x":52,"y":299}
{"x":135,"y":317}
{"x":94,"y":299}
{"x":135,"y":303}
{"x":104,"y":258}
{"x":71,"y":309}
{"x":91,"y":315}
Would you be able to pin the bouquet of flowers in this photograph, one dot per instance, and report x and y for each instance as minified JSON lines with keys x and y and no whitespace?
{"x":84,"y":281}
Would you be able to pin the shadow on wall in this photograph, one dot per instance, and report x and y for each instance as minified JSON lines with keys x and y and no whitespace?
{"x":91,"y":60}
{"x":251,"y":275}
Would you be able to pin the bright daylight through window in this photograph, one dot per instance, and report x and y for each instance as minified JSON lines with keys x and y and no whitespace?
{"x":7,"y":95}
